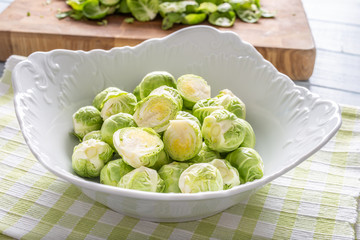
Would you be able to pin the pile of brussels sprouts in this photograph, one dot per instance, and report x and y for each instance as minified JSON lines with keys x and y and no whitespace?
{"x":218,"y":12}
{"x":167,"y":136}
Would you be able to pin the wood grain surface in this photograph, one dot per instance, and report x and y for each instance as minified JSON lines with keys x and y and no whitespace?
{"x":28,"y":26}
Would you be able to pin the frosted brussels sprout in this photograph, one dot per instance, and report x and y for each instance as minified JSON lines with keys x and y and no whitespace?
{"x":162,"y":160}
{"x":249,"y":139}
{"x":143,"y":10}
{"x":171,"y":92}
{"x":93,"y":135}
{"x":154,"y":80}
{"x":170,"y":173}
{"x":248,"y":162}
{"x":142,"y":179}
{"x":200,"y":177}
{"x":90,"y":156}
{"x":230,"y":175}
{"x":155,"y":111}
{"x":222,"y":131}
{"x":183,"y":115}
{"x":114,"y":123}
{"x":113,"y":171}
{"x":85,"y":120}
{"x":205,"y":155}
{"x":231,"y":103}
{"x":138,"y":146}
{"x":192,"y":88}
{"x":205,"y":107}
{"x":182,"y":139}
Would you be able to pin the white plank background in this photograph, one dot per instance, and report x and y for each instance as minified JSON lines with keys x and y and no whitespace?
{"x":336,"y":29}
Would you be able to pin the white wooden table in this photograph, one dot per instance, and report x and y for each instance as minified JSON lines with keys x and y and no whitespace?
{"x":336,"y":29}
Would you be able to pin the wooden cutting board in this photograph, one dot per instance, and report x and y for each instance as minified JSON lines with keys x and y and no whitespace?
{"x":28,"y":26}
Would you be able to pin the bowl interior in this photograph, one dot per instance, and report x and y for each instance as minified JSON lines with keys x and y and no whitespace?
{"x":290,"y":123}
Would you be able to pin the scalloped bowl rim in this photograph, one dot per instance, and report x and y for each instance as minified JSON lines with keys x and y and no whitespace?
{"x":83,"y":183}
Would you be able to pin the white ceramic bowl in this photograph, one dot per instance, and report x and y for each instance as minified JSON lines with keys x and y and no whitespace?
{"x":290,"y":122}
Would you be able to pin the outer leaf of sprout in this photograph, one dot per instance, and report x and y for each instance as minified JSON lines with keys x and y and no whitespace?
{"x":142,"y":179}
{"x":248,"y":162}
{"x":113,"y":171}
{"x":207,"y":7}
{"x":175,"y":7}
{"x":222,"y":19}
{"x":143,"y":10}
{"x":222,"y":131}
{"x":193,"y":18}
{"x":170,"y":173}
{"x":90,"y":156}
{"x":114,"y":123}
{"x":230,"y":174}
{"x":200,"y":177}
{"x":93,"y":10}
{"x":138,"y":146}
{"x":85,"y":120}
{"x":182,"y":139}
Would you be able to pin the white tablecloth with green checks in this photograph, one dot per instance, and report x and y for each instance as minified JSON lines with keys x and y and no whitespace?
{"x":319,"y":199}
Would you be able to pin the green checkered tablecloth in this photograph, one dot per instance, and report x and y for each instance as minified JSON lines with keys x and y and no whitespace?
{"x":319,"y":199}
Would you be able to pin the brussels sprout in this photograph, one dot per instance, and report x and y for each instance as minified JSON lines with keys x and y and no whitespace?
{"x":113,"y":100}
{"x":118,"y":102}
{"x":205,"y":155}
{"x":230,"y":175}
{"x":85,"y":120}
{"x":249,"y":139}
{"x":182,"y":115}
{"x":142,"y":179}
{"x":170,"y":173}
{"x":222,"y":131}
{"x":248,"y":162}
{"x":200,"y":177}
{"x":192,"y":88}
{"x":205,"y":107}
{"x":90,"y":156}
{"x":92,"y":9}
{"x":222,"y":19}
{"x":114,"y":123}
{"x":163,"y":159}
{"x":143,"y":10}
{"x":175,"y":7}
{"x":169,"y":91}
{"x":231,"y":103}
{"x":154,"y":80}
{"x":93,"y":135}
{"x":216,"y":2}
{"x":156,"y":111}
{"x":138,"y":146}
{"x":113,"y":171}
{"x":182,"y":139}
